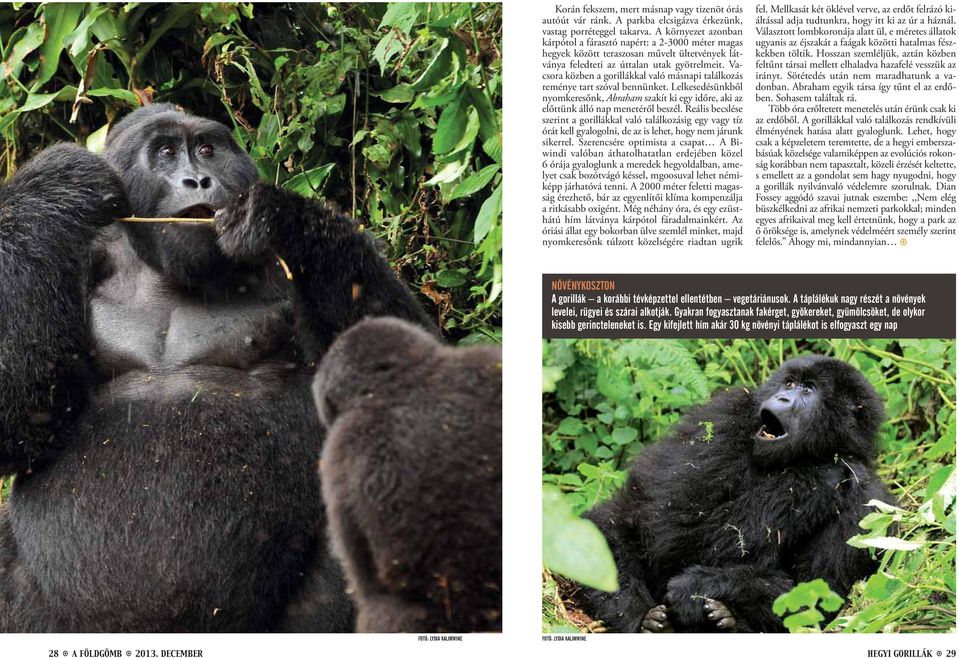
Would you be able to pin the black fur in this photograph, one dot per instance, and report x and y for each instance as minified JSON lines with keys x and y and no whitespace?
{"x":154,"y":387}
{"x":412,"y":477}
{"x":717,"y":519}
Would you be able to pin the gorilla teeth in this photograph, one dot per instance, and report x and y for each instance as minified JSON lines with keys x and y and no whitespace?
{"x":765,"y":435}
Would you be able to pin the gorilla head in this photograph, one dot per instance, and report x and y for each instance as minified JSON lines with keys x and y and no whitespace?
{"x":412,"y":476}
{"x":367,"y":358}
{"x":816,"y":406}
{"x":173,"y":164}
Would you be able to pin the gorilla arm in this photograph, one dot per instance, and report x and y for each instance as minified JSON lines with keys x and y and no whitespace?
{"x":624,"y":610}
{"x":49,"y":212}
{"x":828,"y":555}
{"x":339,"y":276}
{"x":747,"y":591}
{"x":816,"y":523}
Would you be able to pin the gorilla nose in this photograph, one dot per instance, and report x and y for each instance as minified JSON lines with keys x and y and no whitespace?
{"x":204,"y":182}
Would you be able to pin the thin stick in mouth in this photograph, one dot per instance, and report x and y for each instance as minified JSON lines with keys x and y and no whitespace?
{"x":193,"y":220}
{"x":168,"y":220}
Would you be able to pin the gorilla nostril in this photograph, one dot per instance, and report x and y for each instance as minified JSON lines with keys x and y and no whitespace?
{"x":206,"y":182}
{"x":189,"y":182}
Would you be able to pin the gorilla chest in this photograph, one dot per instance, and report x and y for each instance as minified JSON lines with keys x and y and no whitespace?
{"x":138,"y":323}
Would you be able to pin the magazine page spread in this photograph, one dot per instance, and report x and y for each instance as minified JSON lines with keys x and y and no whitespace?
{"x":414,"y":327}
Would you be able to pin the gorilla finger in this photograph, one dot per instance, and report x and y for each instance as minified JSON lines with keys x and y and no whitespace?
{"x":658,"y":613}
{"x":671,"y":597}
{"x":651,"y":626}
{"x":720,"y":611}
{"x":726,"y":623}
{"x":712,"y":605}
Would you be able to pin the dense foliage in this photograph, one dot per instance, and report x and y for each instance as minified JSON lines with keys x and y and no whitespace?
{"x":390,"y":110}
{"x":604,"y":401}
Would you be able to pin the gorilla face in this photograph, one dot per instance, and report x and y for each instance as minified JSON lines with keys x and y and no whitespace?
{"x":176,"y":165}
{"x":813,"y":408}
{"x":789,"y":409}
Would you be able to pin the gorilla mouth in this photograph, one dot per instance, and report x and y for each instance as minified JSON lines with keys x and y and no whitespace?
{"x":198,"y":211}
{"x":772,"y":429}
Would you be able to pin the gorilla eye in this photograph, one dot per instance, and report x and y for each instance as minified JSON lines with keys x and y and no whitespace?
{"x":205,"y":150}
{"x":167,"y":150}
{"x":790,"y":384}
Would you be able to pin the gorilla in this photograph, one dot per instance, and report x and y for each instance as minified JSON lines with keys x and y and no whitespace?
{"x":751,"y":494}
{"x":411,"y":474}
{"x":155,"y":398}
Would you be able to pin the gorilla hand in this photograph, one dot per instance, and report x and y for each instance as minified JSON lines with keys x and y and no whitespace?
{"x":266,"y":219}
{"x":71,"y":183}
{"x":690,"y":610}
{"x":248,"y":225}
{"x":718,"y":612}
{"x":656,"y":620}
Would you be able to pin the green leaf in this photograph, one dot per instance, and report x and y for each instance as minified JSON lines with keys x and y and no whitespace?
{"x":469,"y":132}
{"x":97,"y":139}
{"x":475,"y":182}
{"x":219,"y":39}
{"x":889,"y":543}
{"x":805,"y":619}
{"x":450,"y":127}
{"x":401,"y":15}
{"x":493,"y":147}
{"x":436,"y":70}
{"x":121,"y":94}
{"x":358,"y":137}
{"x":941,"y":477}
{"x":882,"y":506}
{"x":79,"y":39}
{"x":880,"y":586}
{"x":450,"y":172}
{"x":450,"y":279}
{"x":614,"y":382}
{"x":401,"y":93}
{"x":489,"y":122}
{"x":551,"y":376}
{"x":409,"y":130}
{"x":31,"y":40}
{"x":570,"y":426}
{"x":309,"y":182}
{"x":61,"y":19}
{"x":389,"y":46}
{"x":434,"y":98}
{"x":624,"y":435}
{"x":591,"y":471}
{"x":574,"y":547}
{"x":488,"y":213}
{"x":36,"y":101}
